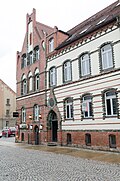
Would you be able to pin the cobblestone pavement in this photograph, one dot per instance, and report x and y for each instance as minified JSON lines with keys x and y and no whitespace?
{"x":21,"y":164}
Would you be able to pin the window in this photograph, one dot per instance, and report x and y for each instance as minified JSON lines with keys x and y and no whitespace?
{"x":88,"y":139}
{"x":23,"y":61}
{"x":7,"y":113}
{"x":31,"y":57}
{"x":8,"y":102}
{"x":36,"y":80}
{"x":87,"y":106}
{"x":23,"y":114}
{"x":67,"y":71}
{"x":112,"y":141}
{"x":69,"y":108}
{"x":36,"y":113}
{"x":51,"y":45}
{"x":52,"y":76}
{"x":69,"y":138}
{"x":84,"y":65}
{"x":30,"y":81}
{"x":23,"y":85}
{"x":106,"y":56}
{"x":36,"y":53}
{"x":111,"y":103}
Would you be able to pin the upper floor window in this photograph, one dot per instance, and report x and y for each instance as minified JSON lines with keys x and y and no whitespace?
{"x":23,"y":85}
{"x":31,"y":57}
{"x":23,"y":114}
{"x":68,"y":108}
{"x":52,"y":76}
{"x":67,"y":71}
{"x":106,"y":57}
{"x":51,"y":45}
{"x":87,"y":106}
{"x":23,"y":61}
{"x":111,"y":103}
{"x":30,"y":81}
{"x":36,"y":80}
{"x":8,"y":102}
{"x":7,"y":113}
{"x":84,"y":65}
{"x":36,"y":53}
{"x":36,"y":112}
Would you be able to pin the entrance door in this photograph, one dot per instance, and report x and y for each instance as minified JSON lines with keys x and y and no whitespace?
{"x":53,"y":125}
{"x":54,"y":130}
{"x":36,"y":135}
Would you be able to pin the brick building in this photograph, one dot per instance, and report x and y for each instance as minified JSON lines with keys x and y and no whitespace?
{"x":7,"y":106}
{"x":77,"y":101}
{"x":31,"y":81}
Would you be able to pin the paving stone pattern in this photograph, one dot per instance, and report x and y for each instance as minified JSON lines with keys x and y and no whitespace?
{"x":20,"y":164}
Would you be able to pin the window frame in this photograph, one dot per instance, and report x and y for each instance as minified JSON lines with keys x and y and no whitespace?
{"x":52,"y":77}
{"x":36,"y":112}
{"x":110,"y":97}
{"x":23,"y":115}
{"x":67,"y":71}
{"x":68,"y":108}
{"x":87,"y":106}
{"x":85,"y":70}
{"x":106,"y":63}
{"x":51,"y":45}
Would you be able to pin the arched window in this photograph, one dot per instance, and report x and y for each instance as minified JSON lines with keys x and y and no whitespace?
{"x":67,"y":71}
{"x":23,"y":85}
{"x":23,"y":61}
{"x":106,"y":57}
{"x":87,"y":106}
{"x":30,"y":81}
{"x":36,"y":80}
{"x":36,"y":112}
{"x":23,"y":114}
{"x":68,"y":106}
{"x":36,"y":53}
{"x":84,"y":64}
{"x":52,"y":76}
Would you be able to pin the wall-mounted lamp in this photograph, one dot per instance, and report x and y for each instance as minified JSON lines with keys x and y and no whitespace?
{"x":30,"y":116}
{"x":40,"y":116}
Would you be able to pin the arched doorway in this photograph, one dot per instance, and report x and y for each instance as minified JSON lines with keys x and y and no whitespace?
{"x":36,"y":135}
{"x":53,"y":125}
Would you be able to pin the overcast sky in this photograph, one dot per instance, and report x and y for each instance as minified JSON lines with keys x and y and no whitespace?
{"x":65,"y":14}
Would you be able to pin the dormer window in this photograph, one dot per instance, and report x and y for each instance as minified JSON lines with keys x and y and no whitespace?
{"x":51,"y":45}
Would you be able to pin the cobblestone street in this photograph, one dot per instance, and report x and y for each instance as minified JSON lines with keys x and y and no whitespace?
{"x":20,"y":164}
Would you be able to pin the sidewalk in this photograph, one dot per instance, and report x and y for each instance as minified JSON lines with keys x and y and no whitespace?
{"x":110,"y":157}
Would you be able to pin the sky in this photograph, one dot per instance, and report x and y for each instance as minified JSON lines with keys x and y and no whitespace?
{"x":65,"y":14}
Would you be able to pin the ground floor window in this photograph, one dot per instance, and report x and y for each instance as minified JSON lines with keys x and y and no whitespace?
{"x":88,"y":139}
{"x":112,"y":141}
{"x":22,"y":137}
{"x":69,"y":139}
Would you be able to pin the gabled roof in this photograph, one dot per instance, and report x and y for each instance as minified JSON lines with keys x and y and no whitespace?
{"x":40,"y":30}
{"x":100,"y":19}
